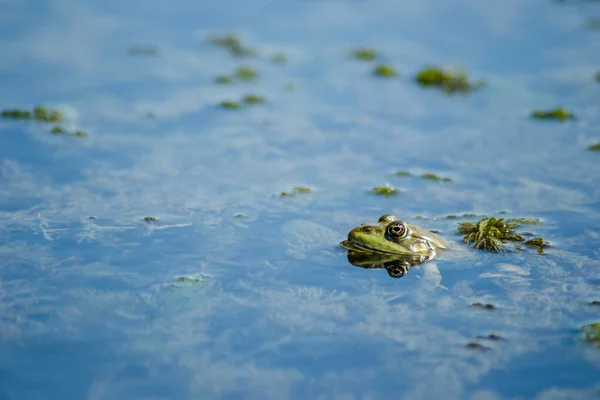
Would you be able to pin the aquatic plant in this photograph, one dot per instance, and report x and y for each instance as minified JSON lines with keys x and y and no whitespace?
{"x":16,"y":114}
{"x":559,"y":114}
{"x":253,"y":99}
{"x":449,"y":82}
{"x":384,"y":71}
{"x":538,"y":242}
{"x":149,"y":219}
{"x":597,"y":76}
{"x":80,"y":133}
{"x":386,"y":191}
{"x":245,"y":73}
{"x":58,"y":130}
{"x":364,"y":54}
{"x":296,"y":190}
{"x":489,"y":233}
{"x":223,"y":79}
{"x":403,"y":173}
{"x":485,"y":306}
{"x":435,"y":177}
{"x":232,"y":44}
{"x":591,"y":334}
{"x":594,"y":147}
{"x":39,"y":113}
{"x":230,"y":105}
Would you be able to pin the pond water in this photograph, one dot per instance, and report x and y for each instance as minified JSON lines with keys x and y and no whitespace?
{"x":236,"y":292}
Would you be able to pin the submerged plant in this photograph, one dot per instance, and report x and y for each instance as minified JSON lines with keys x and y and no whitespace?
{"x":364,"y":54}
{"x":489,"y":233}
{"x":559,"y":114}
{"x":384,"y":71}
{"x":449,"y":82}
{"x":231,"y":43}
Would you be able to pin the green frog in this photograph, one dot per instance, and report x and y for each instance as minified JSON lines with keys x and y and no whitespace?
{"x":392,"y":236}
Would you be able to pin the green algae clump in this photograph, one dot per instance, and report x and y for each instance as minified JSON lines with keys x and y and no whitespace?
{"x":403,"y":173}
{"x":223,"y":79}
{"x":435,"y":177}
{"x":16,"y":114}
{"x":538,"y":242}
{"x":364,"y":54}
{"x":594,"y":147}
{"x":559,"y":114}
{"x":253,"y":99}
{"x":384,"y":71}
{"x":230,"y":105}
{"x":489,"y":234}
{"x":149,"y":219}
{"x":59,"y":130}
{"x":591,"y":334}
{"x":232,"y":44}
{"x":449,"y":82}
{"x":296,"y":190}
{"x":39,"y":113}
{"x":245,"y":73}
{"x":80,"y":133}
{"x":386,"y":191}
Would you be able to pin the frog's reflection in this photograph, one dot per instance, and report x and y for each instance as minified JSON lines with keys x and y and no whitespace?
{"x":396,"y":265}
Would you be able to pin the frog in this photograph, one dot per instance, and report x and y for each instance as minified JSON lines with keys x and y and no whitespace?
{"x":392,"y":236}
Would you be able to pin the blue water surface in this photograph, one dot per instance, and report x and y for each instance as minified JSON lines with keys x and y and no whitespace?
{"x":236,"y":292}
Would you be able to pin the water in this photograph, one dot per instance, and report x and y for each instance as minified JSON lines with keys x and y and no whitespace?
{"x":93,"y":308}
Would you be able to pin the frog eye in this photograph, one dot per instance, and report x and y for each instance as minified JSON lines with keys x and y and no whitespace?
{"x":397,"y":229}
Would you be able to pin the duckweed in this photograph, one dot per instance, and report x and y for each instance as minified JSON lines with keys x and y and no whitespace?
{"x":245,"y":73}
{"x":253,"y":99}
{"x":384,"y":71}
{"x":364,"y":54}
{"x":386,"y":191}
{"x":489,"y":233}
{"x":435,"y":177}
{"x":594,"y":147}
{"x":559,"y":114}
{"x":232,"y":44}
{"x":230,"y":105}
{"x":149,"y":219}
{"x":591,"y":334}
{"x":449,"y":82}
{"x":223,"y":79}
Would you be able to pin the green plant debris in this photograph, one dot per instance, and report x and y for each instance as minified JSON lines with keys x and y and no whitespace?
{"x":594,"y":147}
{"x":223,"y":79}
{"x":386,"y":191}
{"x":559,"y":114}
{"x":364,"y":54}
{"x":232,"y":44}
{"x":403,"y":173}
{"x":59,"y":130}
{"x":435,"y":177}
{"x":245,"y":73}
{"x":39,"y":113}
{"x":143,"y":50}
{"x":451,"y":216}
{"x":230,"y":105}
{"x":524,"y":221}
{"x":538,"y":242}
{"x":454,"y":216}
{"x":591,"y":334}
{"x":296,"y":190}
{"x":449,"y":82}
{"x":476,"y":346}
{"x":278,"y":58}
{"x":469,"y":215}
{"x":253,"y":99}
{"x":384,"y":71}
{"x":80,"y":133}
{"x":149,"y":219}
{"x":484,"y":306}
{"x":489,"y":233}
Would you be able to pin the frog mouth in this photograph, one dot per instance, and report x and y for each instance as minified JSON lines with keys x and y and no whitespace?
{"x":356,"y":247}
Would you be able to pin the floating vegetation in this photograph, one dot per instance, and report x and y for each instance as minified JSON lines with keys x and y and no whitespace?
{"x":80,"y":133}
{"x":58,"y":130}
{"x":232,"y":44}
{"x":245,"y":73}
{"x":435,"y":177}
{"x":449,"y":82}
{"x":223,"y":79}
{"x":538,"y":242}
{"x":559,"y":114}
{"x":386,"y":191}
{"x":192,"y":280}
{"x":253,"y":99}
{"x":230,"y":105}
{"x":403,"y":173}
{"x":591,"y":334}
{"x":143,"y":50}
{"x":149,"y":219}
{"x":278,"y":58}
{"x":454,"y":216}
{"x":364,"y":54}
{"x":492,"y":336}
{"x":484,"y":306}
{"x":296,"y":190}
{"x":524,"y":221}
{"x":384,"y":71}
{"x":489,"y":233}
{"x":594,"y":147}
{"x":477,"y":346}
{"x":39,"y":113}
